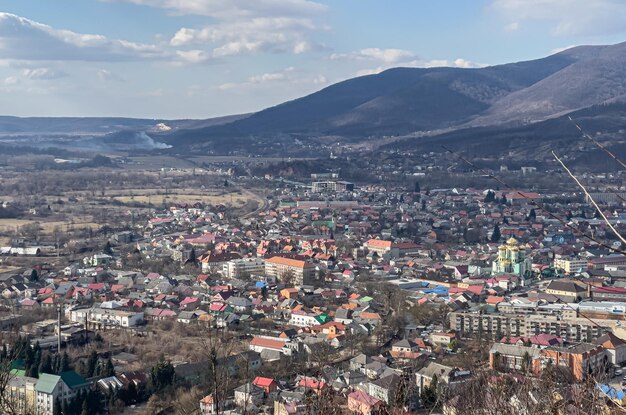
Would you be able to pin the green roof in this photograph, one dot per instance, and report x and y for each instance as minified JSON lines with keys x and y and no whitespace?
{"x":47,"y":383}
{"x":322,"y":318}
{"x":365,"y":299}
{"x":327,"y":223}
{"x":18,"y":372}
{"x":73,"y":379}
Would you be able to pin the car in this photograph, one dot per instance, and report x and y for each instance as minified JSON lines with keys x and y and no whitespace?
{"x":618,"y":372}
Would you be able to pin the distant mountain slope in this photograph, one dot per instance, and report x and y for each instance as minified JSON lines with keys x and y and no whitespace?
{"x":531,"y":143}
{"x":598,"y":75}
{"x":98,"y":125}
{"x":395,"y":101}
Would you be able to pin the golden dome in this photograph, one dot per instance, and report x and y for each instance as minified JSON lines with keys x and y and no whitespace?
{"x":512,"y":241}
{"x":502,"y":247}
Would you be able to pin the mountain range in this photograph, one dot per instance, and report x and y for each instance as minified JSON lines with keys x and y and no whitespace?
{"x":402,"y":102}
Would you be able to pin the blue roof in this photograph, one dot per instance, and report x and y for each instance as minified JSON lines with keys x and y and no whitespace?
{"x":260,"y":284}
{"x":612,"y":392}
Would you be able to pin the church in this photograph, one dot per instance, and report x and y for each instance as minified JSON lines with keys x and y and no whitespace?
{"x":512,"y":260}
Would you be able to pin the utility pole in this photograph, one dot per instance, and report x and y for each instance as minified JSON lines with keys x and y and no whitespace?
{"x":59,"y":306}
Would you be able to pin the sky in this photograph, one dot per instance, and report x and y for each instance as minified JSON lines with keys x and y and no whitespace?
{"x":206,"y":58}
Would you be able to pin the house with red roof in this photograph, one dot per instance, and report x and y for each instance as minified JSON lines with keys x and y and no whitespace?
{"x":362,"y":403}
{"x":267,"y":384}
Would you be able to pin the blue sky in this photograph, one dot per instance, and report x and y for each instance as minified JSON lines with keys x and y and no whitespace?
{"x":206,"y":58}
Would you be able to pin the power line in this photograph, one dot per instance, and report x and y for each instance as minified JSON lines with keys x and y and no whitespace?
{"x":534,"y":203}
{"x":587,"y":136}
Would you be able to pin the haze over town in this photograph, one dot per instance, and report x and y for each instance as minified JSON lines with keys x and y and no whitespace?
{"x":299,"y":207}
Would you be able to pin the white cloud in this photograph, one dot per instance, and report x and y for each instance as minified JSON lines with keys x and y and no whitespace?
{"x":512,"y":27}
{"x":568,"y":17}
{"x":419,"y":63}
{"x":104,"y":75}
{"x":193,"y":56}
{"x":43,"y":74}
{"x":236,"y":9}
{"x":376,"y":54}
{"x":259,"y":34}
{"x":557,"y":50}
{"x":288,"y":76}
{"x":24,"y":39}
{"x":10,"y":80}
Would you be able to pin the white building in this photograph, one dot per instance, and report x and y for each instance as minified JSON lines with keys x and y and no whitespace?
{"x":570,"y":265}
{"x":238,"y":268}
{"x":302,"y":319}
{"x":106,"y":317}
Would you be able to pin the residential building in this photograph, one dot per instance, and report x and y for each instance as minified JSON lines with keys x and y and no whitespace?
{"x":571,"y":264}
{"x":384,"y":388}
{"x":332,"y":186}
{"x":564,"y":325}
{"x":243,"y":267}
{"x":568,"y":290}
{"x":446,"y":375}
{"x":52,"y":388}
{"x":360,"y":402}
{"x":301,"y":272}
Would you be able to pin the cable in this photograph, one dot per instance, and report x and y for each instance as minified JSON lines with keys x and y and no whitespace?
{"x":596,"y":143}
{"x":535,"y":203}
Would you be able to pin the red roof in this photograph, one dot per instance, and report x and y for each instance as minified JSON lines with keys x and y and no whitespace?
{"x":267,"y":343}
{"x":364,"y":398}
{"x":263,"y":382}
{"x":311,"y":383}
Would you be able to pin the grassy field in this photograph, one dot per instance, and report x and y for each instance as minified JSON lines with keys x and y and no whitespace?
{"x":9,"y":225}
{"x":235,"y":199}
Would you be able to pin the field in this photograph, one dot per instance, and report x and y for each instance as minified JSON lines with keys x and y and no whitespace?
{"x":235,"y":199}
{"x":9,"y":225}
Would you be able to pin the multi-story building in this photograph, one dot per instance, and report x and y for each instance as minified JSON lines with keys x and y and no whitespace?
{"x":19,"y":394}
{"x":106,"y":317}
{"x":568,"y":290}
{"x":304,"y":319}
{"x":332,"y":186}
{"x":51,"y":389}
{"x":394,"y":249}
{"x":608,"y":294}
{"x":497,"y":326}
{"x":580,"y":359}
{"x":238,"y":268}
{"x":570,"y":264}
{"x":301,"y":272}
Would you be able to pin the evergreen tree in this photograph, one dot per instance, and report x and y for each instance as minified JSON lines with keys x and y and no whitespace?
{"x":192,"y":257}
{"x":109,"y":369}
{"x":92,"y":363}
{"x":132,"y":395}
{"x":490,"y":197}
{"x":495,"y":235}
{"x":162,"y":374}
{"x":34,"y":276}
{"x":505,"y":220}
{"x":64,"y":364}
{"x":503,"y":200}
{"x":108,"y":249}
{"x":417,"y":187}
{"x":423,"y":204}
{"x":533,"y":215}
{"x":46,"y":364}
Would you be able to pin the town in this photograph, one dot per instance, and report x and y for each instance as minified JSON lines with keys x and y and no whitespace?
{"x":312,"y":292}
